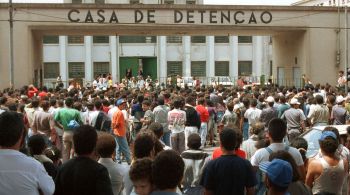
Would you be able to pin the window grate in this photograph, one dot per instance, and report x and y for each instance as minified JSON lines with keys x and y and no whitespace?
{"x":245,"y":39}
{"x":245,"y":68}
{"x":51,"y":70}
{"x":174,"y":68}
{"x":50,"y":39}
{"x":76,"y":69}
{"x":174,"y":39}
{"x":222,"y":68}
{"x":76,"y":39}
{"x":198,"y":39}
{"x":101,"y":68}
{"x":198,"y":68}
{"x":222,"y":39}
{"x":101,"y":39}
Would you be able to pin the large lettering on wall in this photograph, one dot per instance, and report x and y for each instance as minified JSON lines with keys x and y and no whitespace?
{"x":136,"y":16}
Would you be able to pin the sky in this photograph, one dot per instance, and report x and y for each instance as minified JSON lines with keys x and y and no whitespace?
{"x":218,"y":2}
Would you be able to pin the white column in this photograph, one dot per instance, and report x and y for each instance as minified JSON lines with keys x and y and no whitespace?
{"x":162,"y":59}
{"x":63,"y":59}
{"x":257,"y":55}
{"x":186,"y":68}
{"x":233,"y":57}
{"x":88,"y":59}
{"x":210,"y":56}
{"x":113,"y":58}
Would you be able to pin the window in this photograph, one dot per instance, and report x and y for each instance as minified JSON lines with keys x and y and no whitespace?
{"x":245,"y":68}
{"x":190,"y":2}
{"x":76,"y":70}
{"x":198,"y":68}
{"x":101,"y":68}
{"x":222,"y":39}
{"x":198,"y":39}
{"x":222,"y":68}
{"x":137,"y":39}
{"x":76,"y":39}
{"x":51,"y":70}
{"x":245,"y":39}
{"x":134,"y":1}
{"x":174,"y":39}
{"x":101,"y":39}
{"x":174,"y":68}
{"x":168,"y":1}
{"x":50,"y":39}
{"x":100,"y":1}
{"x":77,"y":1}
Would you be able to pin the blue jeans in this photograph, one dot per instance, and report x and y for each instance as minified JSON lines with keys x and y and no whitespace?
{"x":166,"y":138}
{"x":123,"y":148}
{"x":203,"y":133}
{"x":245,"y":130}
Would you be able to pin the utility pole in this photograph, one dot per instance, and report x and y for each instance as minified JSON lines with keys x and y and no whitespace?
{"x":11,"y":44}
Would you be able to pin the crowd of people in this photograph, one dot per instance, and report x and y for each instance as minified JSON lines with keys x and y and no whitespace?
{"x":119,"y":140}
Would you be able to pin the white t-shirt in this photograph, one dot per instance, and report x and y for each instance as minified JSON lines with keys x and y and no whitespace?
{"x":263,"y":155}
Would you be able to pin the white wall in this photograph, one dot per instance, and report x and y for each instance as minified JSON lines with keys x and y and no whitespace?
{"x":222,"y":52}
{"x":198,"y":52}
{"x":138,"y":49}
{"x":245,"y":52}
{"x":101,"y":53}
{"x":76,"y":53}
{"x":174,"y":52}
{"x":51,"y":53}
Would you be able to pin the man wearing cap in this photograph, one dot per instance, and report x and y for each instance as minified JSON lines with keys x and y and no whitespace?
{"x":279,"y":175}
{"x":119,"y":131}
{"x":339,"y":115}
{"x":295,"y":120}
{"x":326,"y":173}
{"x":270,"y":112}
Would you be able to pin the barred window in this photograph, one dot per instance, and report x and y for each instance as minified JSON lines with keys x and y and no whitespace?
{"x":198,"y":68}
{"x":137,"y":39}
{"x":134,"y":1}
{"x":245,"y":39}
{"x":100,"y":1}
{"x":174,"y":68}
{"x":76,"y":70}
{"x":49,"y":39}
{"x":51,"y":70}
{"x":222,"y":39}
{"x":222,"y":68}
{"x":190,"y":2}
{"x":76,"y":39}
{"x":101,"y":68}
{"x":77,"y":1}
{"x":101,"y":39}
{"x":174,"y":39}
{"x":168,"y":1}
{"x":198,"y":39}
{"x":245,"y":68}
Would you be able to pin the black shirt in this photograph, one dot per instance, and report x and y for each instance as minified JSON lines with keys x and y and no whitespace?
{"x":228,"y":175}
{"x":82,"y":175}
{"x":192,"y":118}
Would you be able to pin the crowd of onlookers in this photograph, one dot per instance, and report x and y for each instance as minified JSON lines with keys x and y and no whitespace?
{"x":107,"y":139}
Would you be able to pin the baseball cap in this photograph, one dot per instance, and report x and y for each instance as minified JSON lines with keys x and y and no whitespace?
{"x":339,"y":99}
{"x":326,"y":134}
{"x":120,"y":101}
{"x":294,"y":101}
{"x":278,"y":171}
{"x":270,"y":99}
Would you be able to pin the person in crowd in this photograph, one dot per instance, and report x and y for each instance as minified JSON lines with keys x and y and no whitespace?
{"x":63,"y":117}
{"x":204,"y":118}
{"x":82,"y":174}
{"x":177,"y":121}
{"x":37,"y":145}
{"x":19,"y":174}
{"x":193,"y":122}
{"x":228,"y":174}
{"x":212,"y":120}
{"x":249,"y":145}
{"x":279,"y":175}
{"x":229,"y":116}
{"x":141,"y":176}
{"x":269,"y":112}
{"x":244,"y":123}
{"x":302,"y":145}
{"x":195,"y":160}
{"x":157,"y":129}
{"x":161,"y":116}
{"x":295,"y":119}
{"x":339,"y":115}
{"x":119,"y":131}
{"x":137,"y":113}
{"x":148,"y":117}
{"x":296,"y":187}
{"x":89,"y":117}
{"x":166,"y":162}
{"x":326,"y":174}
{"x":342,"y":81}
{"x":252,"y":114}
{"x":105,"y":149}
{"x":319,"y":114}
{"x":55,"y":155}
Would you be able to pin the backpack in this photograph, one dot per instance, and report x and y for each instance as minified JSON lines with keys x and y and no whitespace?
{"x":103,"y":122}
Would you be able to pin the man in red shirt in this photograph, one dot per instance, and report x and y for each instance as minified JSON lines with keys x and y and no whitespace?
{"x":204,"y":117}
{"x":32,"y":91}
{"x":43,"y":93}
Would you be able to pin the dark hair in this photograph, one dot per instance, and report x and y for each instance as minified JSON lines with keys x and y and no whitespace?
{"x":300,"y":144}
{"x":334,"y":130}
{"x":160,"y":100}
{"x":105,"y":145}
{"x":141,"y":169}
{"x":53,"y":153}
{"x":329,"y":145}
{"x":84,"y":139}
{"x":69,"y":102}
{"x":177,"y":102}
{"x":284,"y":155}
{"x":11,"y":128}
{"x":194,"y":141}
{"x":146,"y":102}
{"x":167,"y":170}
{"x":253,"y":102}
{"x":201,"y":101}
{"x":257,"y":128}
{"x":277,"y":129}
{"x":319,"y":99}
{"x":145,"y":143}
{"x":157,"y":129}
{"x":36,"y":144}
{"x":230,"y":106}
{"x":45,"y":105}
{"x":228,"y":139}
{"x":98,"y":104}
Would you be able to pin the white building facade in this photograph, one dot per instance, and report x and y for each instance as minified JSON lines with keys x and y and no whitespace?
{"x":85,"y":57}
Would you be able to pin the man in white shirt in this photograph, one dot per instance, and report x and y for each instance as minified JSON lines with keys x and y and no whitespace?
{"x":19,"y":174}
{"x":252,"y":114}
